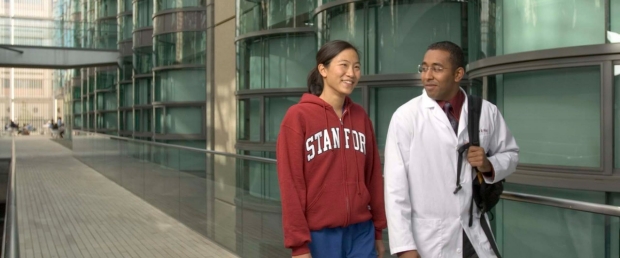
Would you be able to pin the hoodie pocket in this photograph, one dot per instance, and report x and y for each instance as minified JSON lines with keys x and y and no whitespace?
{"x":428,"y":236}
{"x":315,"y":199}
{"x":327,"y":208}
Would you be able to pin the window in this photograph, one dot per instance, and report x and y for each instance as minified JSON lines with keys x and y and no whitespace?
{"x":539,"y":108}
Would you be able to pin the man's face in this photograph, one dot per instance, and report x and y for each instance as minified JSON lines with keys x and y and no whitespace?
{"x":440,"y":78}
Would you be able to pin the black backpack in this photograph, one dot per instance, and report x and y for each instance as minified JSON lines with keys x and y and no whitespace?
{"x":485,"y":196}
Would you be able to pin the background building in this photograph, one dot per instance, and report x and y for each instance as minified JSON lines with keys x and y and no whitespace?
{"x":26,"y":96}
{"x":220,"y":75}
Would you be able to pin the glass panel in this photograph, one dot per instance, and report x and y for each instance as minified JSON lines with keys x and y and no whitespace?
{"x":539,"y":108}
{"x":159,"y":119}
{"x":613,"y":36}
{"x":106,"y":79}
{"x":106,"y":101}
{"x":125,"y":6}
{"x":126,"y":69}
{"x":143,"y":14}
{"x":531,"y":230}
{"x":186,"y":120}
{"x":106,"y":34}
{"x":259,"y":229}
{"x":143,"y":59}
{"x":249,"y":120}
{"x":255,"y":15}
{"x":126,"y":121}
{"x":180,"y":85}
{"x":347,"y":22}
{"x":126,"y":95}
{"x":161,"y":5}
{"x":383,"y":103}
{"x":143,"y":91}
{"x":276,"y":62}
{"x":288,"y":61}
{"x":399,"y":27}
{"x":125,"y":27}
{"x":356,"y":96}
{"x":507,"y":27}
{"x":617,"y":115}
{"x":107,"y":121}
{"x":77,"y":93}
{"x":275,"y":109}
{"x":243,"y":120}
{"x":263,"y":178}
{"x":143,"y":120}
{"x":180,"y":48}
{"x":107,"y":8}
{"x":77,"y":108}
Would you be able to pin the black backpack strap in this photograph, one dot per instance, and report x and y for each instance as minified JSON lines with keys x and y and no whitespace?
{"x":487,"y":231}
{"x":474,"y":104}
{"x":474,"y":107}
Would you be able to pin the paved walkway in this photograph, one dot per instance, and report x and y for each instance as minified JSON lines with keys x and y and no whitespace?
{"x":66,"y":209}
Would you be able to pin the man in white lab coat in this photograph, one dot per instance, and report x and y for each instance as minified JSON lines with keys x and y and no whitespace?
{"x":426,"y":216}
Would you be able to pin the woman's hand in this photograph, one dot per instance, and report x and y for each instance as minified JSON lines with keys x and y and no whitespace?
{"x":380,"y":248}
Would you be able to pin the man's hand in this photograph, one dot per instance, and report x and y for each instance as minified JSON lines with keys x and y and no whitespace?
{"x":476,"y":156}
{"x":409,"y":254}
{"x":380,"y":248}
{"x":303,"y":256}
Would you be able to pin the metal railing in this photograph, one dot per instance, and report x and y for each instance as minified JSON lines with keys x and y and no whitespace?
{"x":507,"y":195}
{"x":10,"y":240}
{"x":226,"y":154}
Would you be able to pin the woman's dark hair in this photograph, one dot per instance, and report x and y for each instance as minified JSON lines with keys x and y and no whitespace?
{"x":324,"y":56}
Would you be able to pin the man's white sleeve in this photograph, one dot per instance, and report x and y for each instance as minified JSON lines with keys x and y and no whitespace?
{"x":503,"y":149}
{"x":397,"y":199}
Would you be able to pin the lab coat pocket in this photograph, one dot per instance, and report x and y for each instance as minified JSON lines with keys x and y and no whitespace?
{"x":427,"y":234}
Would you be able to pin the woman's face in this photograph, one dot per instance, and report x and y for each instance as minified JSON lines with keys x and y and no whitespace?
{"x":342,"y":74}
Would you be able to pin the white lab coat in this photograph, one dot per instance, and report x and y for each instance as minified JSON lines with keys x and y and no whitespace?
{"x":423,"y":213}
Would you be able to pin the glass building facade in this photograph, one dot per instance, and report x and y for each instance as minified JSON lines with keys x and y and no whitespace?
{"x":551,"y":67}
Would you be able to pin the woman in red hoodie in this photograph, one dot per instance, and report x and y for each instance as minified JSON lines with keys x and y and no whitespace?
{"x":328,"y":165}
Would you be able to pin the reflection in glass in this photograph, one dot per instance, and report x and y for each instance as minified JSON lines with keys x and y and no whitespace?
{"x":180,"y":48}
{"x":125,"y":6}
{"x":249,"y":120}
{"x":161,"y":5}
{"x":347,"y":22}
{"x":276,"y":62}
{"x":126,"y":27}
{"x":142,"y":14}
{"x":388,"y":33}
{"x":107,"y":8}
{"x":275,"y":109}
{"x":256,"y":15}
{"x":531,"y":230}
{"x":405,"y":30}
{"x":539,"y":108}
{"x":142,"y":91}
{"x":383,"y":103}
{"x":185,"y":120}
{"x":106,"y":34}
{"x":180,"y":85}
{"x":613,"y":36}
{"x":617,"y":116}
{"x":126,"y":94}
{"x":106,"y":101}
{"x":143,"y":57}
{"x":505,"y":27}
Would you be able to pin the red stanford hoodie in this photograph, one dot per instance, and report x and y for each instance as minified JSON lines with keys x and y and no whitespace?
{"x":328,"y":169}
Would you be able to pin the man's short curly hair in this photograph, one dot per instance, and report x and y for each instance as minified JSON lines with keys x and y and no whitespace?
{"x":457,"y":58}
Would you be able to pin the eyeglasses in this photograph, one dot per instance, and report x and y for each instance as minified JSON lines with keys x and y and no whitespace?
{"x":434,"y":68}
